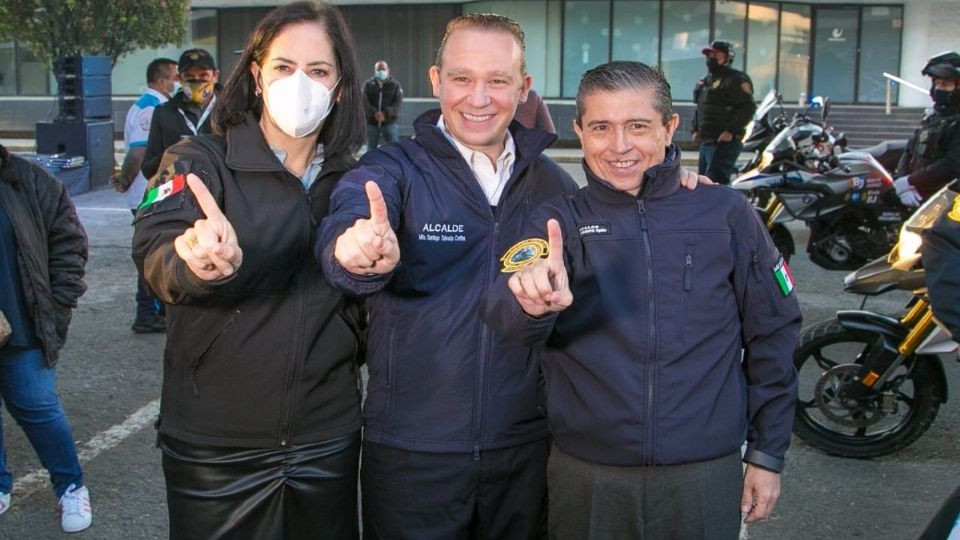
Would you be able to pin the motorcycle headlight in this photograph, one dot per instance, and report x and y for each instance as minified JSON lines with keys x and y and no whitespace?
{"x":909,"y":245}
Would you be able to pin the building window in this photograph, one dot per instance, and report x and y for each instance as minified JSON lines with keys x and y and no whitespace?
{"x":8,"y":69}
{"x":761,"y":54}
{"x":728,"y":25}
{"x":880,"y":31}
{"x":636,"y":31}
{"x":586,"y":40}
{"x":835,"y":53}
{"x":686,"y":30}
{"x":34,"y":75}
{"x":794,"y":51}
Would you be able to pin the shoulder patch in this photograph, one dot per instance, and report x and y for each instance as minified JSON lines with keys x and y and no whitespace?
{"x":523,"y":253}
{"x":954,"y":213}
{"x":747,"y":87}
{"x":783,"y":276}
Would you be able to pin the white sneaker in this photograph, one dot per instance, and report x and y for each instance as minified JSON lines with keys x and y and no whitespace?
{"x":4,"y":502}
{"x":75,"y":513}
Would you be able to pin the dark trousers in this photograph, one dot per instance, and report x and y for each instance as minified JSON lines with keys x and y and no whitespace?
{"x":452,"y":496}
{"x":718,"y":159}
{"x":147,"y":305}
{"x":303,"y":491}
{"x":694,"y":501}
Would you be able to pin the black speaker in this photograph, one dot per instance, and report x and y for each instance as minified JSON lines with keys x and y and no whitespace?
{"x":92,"y":140}
{"x":84,"y":87}
{"x":84,"y":65}
{"x":83,"y":109}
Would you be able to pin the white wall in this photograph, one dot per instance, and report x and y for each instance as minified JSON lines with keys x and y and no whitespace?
{"x":929,"y":27}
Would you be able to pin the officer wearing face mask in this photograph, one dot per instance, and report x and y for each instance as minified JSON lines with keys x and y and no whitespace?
{"x":382,"y":96}
{"x":187,"y":113}
{"x":725,"y":105}
{"x":932,"y":157}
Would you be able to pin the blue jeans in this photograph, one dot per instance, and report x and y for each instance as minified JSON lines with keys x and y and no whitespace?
{"x":147,"y":306}
{"x":28,"y":388}
{"x":718,"y":159}
{"x":390,"y":132}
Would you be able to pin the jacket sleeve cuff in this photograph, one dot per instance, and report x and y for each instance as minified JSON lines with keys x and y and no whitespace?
{"x":764,"y":460}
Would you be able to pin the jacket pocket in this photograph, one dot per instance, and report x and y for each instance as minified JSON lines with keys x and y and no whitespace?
{"x":195,"y":365}
{"x":761,"y":282}
{"x":686,"y":285}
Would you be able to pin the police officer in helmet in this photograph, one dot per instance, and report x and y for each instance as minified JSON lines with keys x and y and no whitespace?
{"x":724,"y":101}
{"x":932,"y":157}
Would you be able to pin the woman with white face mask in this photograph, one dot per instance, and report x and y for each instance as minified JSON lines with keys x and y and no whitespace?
{"x":260,"y":413}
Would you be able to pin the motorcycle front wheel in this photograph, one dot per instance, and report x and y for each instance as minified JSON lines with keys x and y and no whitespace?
{"x":828,"y":360}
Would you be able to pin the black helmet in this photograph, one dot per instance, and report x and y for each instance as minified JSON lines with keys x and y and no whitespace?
{"x":945,"y":65}
{"x":721,"y":46}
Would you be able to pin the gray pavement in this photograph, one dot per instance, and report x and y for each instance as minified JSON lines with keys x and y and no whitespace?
{"x":110,"y":377}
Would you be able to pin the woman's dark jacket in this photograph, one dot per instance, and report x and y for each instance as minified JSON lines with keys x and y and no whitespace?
{"x":52,"y":247}
{"x":267,"y":357}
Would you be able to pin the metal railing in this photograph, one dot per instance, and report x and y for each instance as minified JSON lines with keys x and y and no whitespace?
{"x":897,"y":80}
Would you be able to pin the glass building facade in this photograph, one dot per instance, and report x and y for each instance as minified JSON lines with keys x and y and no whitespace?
{"x":801,"y":49}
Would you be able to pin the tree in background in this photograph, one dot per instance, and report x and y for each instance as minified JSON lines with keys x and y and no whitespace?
{"x":114,"y":28}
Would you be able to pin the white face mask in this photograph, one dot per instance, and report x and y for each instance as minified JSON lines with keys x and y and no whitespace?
{"x":298,"y":104}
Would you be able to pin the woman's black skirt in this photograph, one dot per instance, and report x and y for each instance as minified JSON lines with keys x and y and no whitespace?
{"x":302,"y":491}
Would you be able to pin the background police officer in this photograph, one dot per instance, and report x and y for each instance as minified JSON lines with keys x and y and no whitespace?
{"x":932,"y":157}
{"x":725,"y":105}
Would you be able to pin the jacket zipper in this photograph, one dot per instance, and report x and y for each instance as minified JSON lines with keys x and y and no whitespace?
{"x":687,"y":286}
{"x":650,"y":367}
{"x":293,"y":369}
{"x":483,"y":351}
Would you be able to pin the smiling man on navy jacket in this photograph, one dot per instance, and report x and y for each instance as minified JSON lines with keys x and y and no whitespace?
{"x":668,"y":325}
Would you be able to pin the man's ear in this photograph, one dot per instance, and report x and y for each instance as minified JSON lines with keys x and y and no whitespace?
{"x":578,"y":130}
{"x":434,"y":75}
{"x":525,"y":88}
{"x":671,"y":126}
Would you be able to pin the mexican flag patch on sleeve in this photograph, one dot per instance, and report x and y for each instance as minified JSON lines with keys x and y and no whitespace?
{"x":781,"y":273}
{"x":164,"y":190}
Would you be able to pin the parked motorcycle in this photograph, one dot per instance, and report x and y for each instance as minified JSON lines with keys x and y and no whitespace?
{"x":846,"y":199}
{"x":763,"y":127}
{"x":872,"y":384}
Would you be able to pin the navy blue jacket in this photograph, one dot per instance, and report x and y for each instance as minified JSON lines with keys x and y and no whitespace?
{"x":644,"y":368}
{"x":941,"y":258}
{"x":440,"y":380}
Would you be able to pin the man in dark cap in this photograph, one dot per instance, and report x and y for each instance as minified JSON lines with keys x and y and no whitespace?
{"x":724,"y":101}
{"x":187,"y":113}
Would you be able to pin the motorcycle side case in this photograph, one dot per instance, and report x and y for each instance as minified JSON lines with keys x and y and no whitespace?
{"x":890,"y":332}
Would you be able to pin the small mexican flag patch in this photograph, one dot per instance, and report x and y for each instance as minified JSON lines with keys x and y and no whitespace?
{"x":781,"y":272}
{"x":164,"y":190}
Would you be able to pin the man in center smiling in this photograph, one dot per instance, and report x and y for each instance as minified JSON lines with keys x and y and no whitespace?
{"x":455,"y":445}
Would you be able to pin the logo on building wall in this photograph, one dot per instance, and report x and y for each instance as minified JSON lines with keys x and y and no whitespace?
{"x":836,"y":35}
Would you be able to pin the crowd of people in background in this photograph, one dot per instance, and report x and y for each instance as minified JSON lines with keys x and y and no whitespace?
{"x":522,"y":381}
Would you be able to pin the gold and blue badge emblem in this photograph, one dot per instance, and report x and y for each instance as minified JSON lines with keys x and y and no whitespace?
{"x":523,"y":253}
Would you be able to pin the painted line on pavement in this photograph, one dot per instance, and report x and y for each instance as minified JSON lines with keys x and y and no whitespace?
{"x":25,"y":485}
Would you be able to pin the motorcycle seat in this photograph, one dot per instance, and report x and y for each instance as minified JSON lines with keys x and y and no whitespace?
{"x":887,"y":153}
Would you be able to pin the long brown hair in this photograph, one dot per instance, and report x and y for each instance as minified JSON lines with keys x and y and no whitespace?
{"x":343,"y":130}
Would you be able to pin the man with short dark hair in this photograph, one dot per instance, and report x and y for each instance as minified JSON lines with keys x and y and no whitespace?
{"x":382,"y":95}
{"x":668,"y":324}
{"x":725,"y":105}
{"x":187,"y":113}
{"x":162,"y":83}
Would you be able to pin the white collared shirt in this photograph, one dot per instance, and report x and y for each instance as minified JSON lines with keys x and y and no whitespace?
{"x":492,"y":181}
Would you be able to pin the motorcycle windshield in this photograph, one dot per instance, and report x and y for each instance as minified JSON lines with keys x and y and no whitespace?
{"x":936,"y":205}
{"x":765,"y":106}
